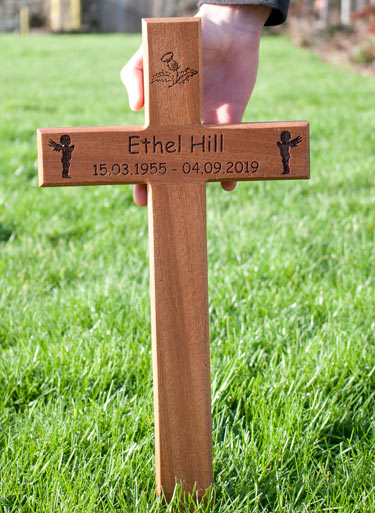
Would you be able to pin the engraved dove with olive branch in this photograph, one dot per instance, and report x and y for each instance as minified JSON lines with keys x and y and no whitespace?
{"x":173,"y":73}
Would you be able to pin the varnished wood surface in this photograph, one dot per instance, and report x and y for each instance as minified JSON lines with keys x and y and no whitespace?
{"x":180,"y":336}
{"x":187,"y":153}
{"x":168,"y":104}
{"x":175,"y":154}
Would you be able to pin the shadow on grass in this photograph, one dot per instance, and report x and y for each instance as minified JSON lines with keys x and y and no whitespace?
{"x":6,"y":232}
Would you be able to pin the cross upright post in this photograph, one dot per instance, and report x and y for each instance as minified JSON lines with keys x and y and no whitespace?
{"x":175,"y":155}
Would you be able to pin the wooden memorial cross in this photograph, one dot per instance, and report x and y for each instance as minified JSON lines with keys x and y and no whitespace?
{"x":175,"y":155}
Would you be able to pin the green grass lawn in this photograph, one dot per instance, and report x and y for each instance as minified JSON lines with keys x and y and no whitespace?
{"x":292,"y":300}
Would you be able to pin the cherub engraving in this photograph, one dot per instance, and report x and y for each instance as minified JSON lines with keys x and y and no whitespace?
{"x":285,"y":145}
{"x":67,"y":150}
{"x":173,"y":73}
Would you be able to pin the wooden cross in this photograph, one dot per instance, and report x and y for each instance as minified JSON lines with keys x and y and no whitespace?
{"x":175,"y":155}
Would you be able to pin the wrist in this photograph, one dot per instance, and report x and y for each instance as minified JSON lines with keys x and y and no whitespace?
{"x":245,"y":18}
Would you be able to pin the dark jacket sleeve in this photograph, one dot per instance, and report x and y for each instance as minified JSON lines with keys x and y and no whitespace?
{"x":279,"y":8}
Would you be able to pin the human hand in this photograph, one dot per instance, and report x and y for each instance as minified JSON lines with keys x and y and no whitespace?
{"x":230,"y":44}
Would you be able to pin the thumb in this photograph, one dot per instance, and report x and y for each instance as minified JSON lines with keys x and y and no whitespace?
{"x":132,"y":78}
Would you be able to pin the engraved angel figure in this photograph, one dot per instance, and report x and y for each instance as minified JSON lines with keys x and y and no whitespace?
{"x":284,"y":146}
{"x":173,"y":73}
{"x":66,"y":149}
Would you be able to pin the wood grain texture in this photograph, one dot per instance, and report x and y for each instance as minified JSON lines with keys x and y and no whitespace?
{"x":177,"y":99}
{"x":181,"y":356}
{"x":134,"y":155}
{"x":178,"y":263}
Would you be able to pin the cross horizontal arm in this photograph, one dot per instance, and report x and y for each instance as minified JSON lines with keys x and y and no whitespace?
{"x":182,"y":154}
